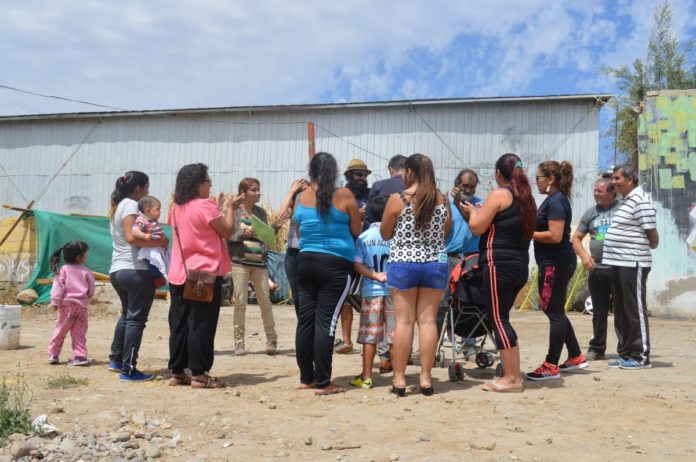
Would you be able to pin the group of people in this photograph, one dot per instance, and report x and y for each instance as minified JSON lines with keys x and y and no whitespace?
{"x":395,"y":244}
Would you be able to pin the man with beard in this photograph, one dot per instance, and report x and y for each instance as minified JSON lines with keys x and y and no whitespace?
{"x":356,"y":181}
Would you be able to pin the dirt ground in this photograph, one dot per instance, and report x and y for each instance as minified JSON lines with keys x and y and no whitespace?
{"x":594,"y":414}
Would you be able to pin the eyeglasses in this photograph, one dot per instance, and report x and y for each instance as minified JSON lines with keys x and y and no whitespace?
{"x":540,"y":176}
{"x":360,"y":174}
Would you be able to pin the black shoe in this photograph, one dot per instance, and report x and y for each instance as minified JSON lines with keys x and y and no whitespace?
{"x":398,"y":391}
{"x":427,"y":391}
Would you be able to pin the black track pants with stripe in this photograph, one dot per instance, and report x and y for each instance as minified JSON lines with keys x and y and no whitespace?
{"x":500,"y":286}
{"x":631,"y":312}
{"x":323,"y":282}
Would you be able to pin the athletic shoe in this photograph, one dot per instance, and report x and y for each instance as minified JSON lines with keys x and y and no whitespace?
{"x":546,"y":371}
{"x":615,"y":363}
{"x":632,"y":364}
{"x":359,"y":382}
{"x":135,"y":376}
{"x":594,"y":356}
{"x":52,"y":359}
{"x":574,"y":364}
{"x":78,"y":361}
{"x":114,"y":366}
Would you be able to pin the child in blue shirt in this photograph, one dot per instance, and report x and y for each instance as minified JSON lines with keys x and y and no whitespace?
{"x":377,"y":312}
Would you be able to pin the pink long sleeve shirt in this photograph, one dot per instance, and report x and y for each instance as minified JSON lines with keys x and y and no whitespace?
{"x":73,"y":283}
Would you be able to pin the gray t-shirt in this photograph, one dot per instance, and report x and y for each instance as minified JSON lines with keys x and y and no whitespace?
{"x":596,"y":222}
{"x":124,"y":255}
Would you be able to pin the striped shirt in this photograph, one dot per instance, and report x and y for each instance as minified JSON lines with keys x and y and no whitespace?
{"x":626,"y":242}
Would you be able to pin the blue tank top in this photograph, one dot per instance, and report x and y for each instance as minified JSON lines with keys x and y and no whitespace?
{"x":325,"y":235}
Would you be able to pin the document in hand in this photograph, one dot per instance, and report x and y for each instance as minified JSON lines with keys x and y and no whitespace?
{"x":265,"y":233}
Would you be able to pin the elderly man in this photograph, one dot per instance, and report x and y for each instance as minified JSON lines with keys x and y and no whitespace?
{"x":627,"y":245}
{"x":461,"y":241}
{"x":596,"y":221}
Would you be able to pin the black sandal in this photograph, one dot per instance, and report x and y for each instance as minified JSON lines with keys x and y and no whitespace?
{"x":398,"y":391}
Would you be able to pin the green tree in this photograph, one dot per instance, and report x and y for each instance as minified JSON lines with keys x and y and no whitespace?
{"x":666,"y":67}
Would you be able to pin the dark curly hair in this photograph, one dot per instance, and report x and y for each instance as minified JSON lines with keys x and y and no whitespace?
{"x":323,"y":170}
{"x":189,"y":178}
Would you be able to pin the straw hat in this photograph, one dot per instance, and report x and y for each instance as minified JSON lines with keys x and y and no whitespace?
{"x":357,"y":164}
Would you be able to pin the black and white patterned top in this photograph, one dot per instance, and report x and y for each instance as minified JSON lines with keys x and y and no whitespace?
{"x":410,"y":244}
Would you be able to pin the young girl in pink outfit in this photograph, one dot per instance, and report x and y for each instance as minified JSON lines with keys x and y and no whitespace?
{"x":72,"y":291}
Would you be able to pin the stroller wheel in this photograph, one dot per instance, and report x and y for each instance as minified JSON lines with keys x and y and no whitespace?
{"x":451,"y":372}
{"x":499,"y":370}
{"x":455,"y":372}
{"x":484,"y":360}
{"x":458,"y":371}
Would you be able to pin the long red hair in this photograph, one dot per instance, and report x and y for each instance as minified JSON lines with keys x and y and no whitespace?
{"x":510,"y":167}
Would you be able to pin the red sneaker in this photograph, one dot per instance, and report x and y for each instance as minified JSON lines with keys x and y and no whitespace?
{"x":574,"y":364}
{"x":546,"y":371}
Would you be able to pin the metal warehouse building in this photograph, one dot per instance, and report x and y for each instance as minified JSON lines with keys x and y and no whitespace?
{"x":69,"y":163}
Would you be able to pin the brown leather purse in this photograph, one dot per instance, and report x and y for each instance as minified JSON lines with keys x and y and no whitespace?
{"x":200,"y":284}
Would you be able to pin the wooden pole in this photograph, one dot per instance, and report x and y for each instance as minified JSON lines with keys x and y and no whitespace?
{"x":310,"y":139}
{"x":16,"y":223}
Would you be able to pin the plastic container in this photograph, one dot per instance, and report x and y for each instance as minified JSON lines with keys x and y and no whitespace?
{"x":10,"y":326}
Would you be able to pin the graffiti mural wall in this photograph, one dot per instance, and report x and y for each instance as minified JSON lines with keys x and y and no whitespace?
{"x":667,"y":160}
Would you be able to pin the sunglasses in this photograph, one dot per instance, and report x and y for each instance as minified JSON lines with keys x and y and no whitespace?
{"x":360,"y":174}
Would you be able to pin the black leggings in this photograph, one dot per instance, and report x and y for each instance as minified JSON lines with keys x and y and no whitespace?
{"x":192,"y":328}
{"x":323,"y":282}
{"x":500,"y":286}
{"x":553,"y":285}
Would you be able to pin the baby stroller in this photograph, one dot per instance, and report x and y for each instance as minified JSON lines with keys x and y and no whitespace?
{"x":466,"y":317}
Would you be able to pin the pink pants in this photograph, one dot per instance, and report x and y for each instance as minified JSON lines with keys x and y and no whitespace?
{"x":71,"y":318}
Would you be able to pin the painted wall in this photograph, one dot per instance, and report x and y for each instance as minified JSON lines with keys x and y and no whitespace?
{"x":667,"y":160}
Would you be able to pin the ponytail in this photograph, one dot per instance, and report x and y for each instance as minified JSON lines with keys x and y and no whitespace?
{"x":323,"y":170}
{"x":426,"y":196}
{"x":562,"y":174}
{"x":125,"y":185}
{"x":565,"y":183}
{"x":70,"y":253}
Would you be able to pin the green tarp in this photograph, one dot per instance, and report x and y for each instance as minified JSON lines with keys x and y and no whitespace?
{"x":53,"y":230}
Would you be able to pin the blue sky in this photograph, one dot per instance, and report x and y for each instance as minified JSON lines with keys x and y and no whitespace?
{"x":174,"y":54}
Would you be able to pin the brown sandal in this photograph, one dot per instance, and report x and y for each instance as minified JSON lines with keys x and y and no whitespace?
{"x":177,"y":380}
{"x":207,"y":382}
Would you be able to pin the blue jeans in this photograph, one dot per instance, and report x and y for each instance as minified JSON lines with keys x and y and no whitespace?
{"x":136,"y":290}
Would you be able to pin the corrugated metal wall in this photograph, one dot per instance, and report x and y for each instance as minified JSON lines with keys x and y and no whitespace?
{"x":272,"y":146}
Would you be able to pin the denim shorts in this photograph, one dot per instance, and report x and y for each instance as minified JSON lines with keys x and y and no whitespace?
{"x":407,"y":275}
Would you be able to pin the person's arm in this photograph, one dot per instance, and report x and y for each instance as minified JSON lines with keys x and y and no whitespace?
{"x":391,"y":212}
{"x":480,"y":218}
{"x":653,"y":237}
{"x":448,"y":223}
{"x":554,"y":235}
{"x":296,"y":187}
{"x":58,"y":289}
{"x":369,"y":272}
{"x":128,"y":222}
{"x":224,"y":225}
{"x":350,"y":206}
{"x":576,"y":240}
{"x":90,"y":285}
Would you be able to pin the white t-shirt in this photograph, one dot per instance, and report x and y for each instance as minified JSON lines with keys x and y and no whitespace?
{"x":124,"y":255}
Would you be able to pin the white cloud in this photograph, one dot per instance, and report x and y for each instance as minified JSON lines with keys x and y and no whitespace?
{"x":161,"y":54}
